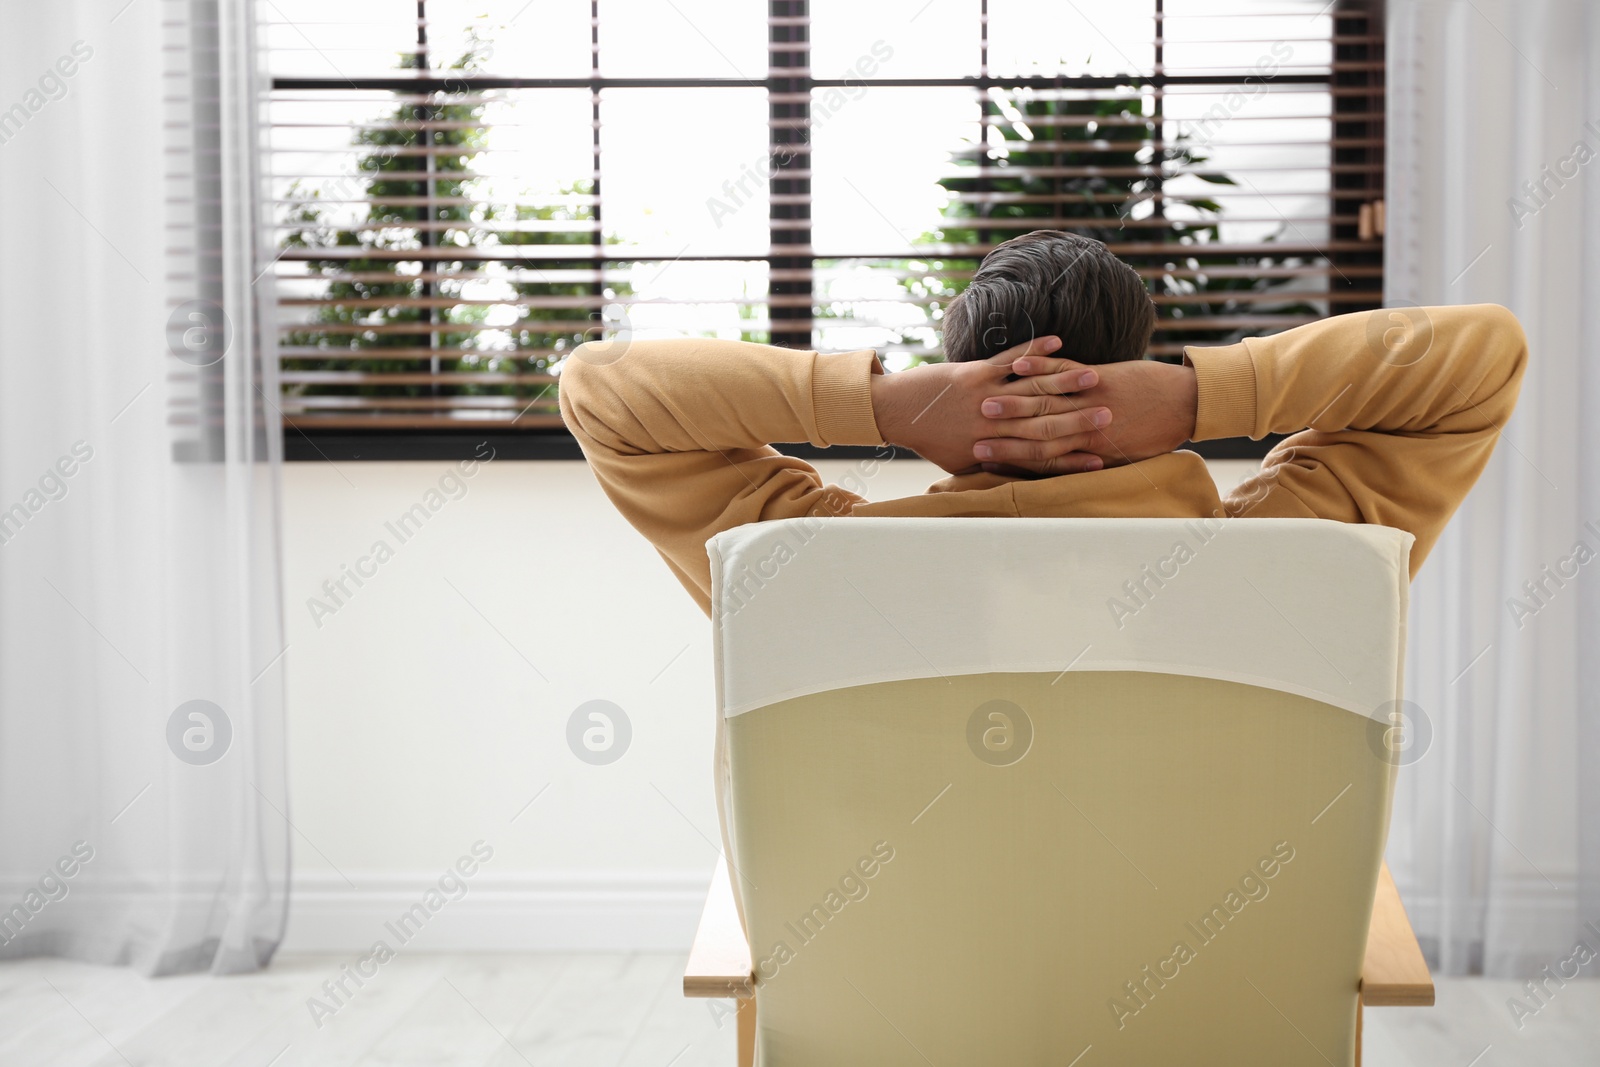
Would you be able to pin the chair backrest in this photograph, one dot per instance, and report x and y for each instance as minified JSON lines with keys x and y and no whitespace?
{"x":1006,"y":790}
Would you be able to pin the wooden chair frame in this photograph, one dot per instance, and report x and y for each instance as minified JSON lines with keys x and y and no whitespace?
{"x":1393,"y":973}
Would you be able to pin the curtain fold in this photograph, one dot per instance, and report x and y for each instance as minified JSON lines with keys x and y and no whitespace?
{"x":1494,"y":196}
{"x":143,"y":816}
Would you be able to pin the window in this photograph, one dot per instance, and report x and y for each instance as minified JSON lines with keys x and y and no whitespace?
{"x":464,"y":192}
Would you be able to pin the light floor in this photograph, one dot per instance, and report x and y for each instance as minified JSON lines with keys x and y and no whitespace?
{"x":589,"y":1010}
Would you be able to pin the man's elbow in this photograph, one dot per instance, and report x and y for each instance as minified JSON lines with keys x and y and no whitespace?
{"x":580,"y":385}
{"x":1501,"y":338}
{"x":1506,"y":338}
{"x":595,"y":400}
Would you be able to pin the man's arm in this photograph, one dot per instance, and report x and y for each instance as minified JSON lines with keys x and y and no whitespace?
{"x":1392,"y":420}
{"x":678,"y":432}
{"x":1393,"y":414}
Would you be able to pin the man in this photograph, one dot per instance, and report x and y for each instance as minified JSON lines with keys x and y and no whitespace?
{"x":1047,"y":409}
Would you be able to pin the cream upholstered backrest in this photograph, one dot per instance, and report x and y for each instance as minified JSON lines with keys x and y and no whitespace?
{"x":1022,"y":790}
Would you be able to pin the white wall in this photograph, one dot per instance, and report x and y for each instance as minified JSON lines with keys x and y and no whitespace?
{"x":429,"y":705}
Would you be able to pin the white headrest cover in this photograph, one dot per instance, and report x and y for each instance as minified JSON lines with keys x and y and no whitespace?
{"x":1306,"y":606}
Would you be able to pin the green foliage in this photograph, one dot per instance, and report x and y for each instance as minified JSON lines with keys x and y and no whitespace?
{"x":1112,"y":172}
{"x":550,"y":326}
{"x":415,"y":179}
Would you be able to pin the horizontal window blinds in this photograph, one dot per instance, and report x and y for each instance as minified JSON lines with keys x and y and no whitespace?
{"x":463,"y":193}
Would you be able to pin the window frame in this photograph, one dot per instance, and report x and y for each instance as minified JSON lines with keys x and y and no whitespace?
{"x":789,"y":87}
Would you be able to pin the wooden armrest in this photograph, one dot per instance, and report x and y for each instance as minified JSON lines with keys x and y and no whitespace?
{"x":1394,"y":973}
{"x":719,"y":960}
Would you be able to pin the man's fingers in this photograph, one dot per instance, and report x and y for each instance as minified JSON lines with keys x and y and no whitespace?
{"x":1023,"y":406}
{"x":1058,"y":424}
{"x":1026,"y":452}
{"x":1057,"y":383}
{"x":1038,"y":363}
{"x":1038,"y":346}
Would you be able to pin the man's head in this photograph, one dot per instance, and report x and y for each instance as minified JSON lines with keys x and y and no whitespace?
{"x":1045,"y":283}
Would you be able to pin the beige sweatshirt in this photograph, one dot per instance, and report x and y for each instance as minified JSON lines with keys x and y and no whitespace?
{"x":679,"y":432}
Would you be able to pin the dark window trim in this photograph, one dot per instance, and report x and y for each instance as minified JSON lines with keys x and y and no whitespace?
{"x":452,"y":445}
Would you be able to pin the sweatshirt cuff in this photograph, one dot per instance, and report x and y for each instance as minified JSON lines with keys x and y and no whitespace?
{"x":841,"y":396}
{"x":1226,"y":381}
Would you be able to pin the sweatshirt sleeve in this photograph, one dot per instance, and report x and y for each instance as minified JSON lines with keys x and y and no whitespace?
{"x":1392,"y":414}
{"x":678,"y":432}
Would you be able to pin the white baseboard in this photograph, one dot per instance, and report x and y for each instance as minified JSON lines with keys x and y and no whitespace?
{"x":557,"y":912}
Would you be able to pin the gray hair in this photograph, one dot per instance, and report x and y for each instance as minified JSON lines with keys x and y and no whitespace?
{"x":1050,"y":282}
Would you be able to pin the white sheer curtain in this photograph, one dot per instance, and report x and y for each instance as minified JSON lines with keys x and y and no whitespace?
{"x":1494,"y":195}
{"x":142,"y":810}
